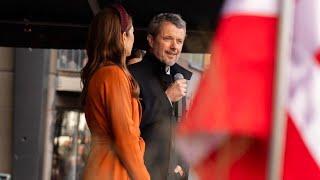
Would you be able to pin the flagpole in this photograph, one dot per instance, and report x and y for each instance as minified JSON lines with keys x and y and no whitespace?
{"x":285,"y":30}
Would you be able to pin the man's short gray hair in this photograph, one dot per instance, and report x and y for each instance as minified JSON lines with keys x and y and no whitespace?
{"x":155,"y":24}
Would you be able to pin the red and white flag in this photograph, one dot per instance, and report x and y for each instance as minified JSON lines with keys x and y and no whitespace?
{"x":225,"y":134}
{"x":302,"y":153}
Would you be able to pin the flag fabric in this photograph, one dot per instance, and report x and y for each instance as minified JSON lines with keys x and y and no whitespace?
{"x":302,"y":153}
{"x":225,"y":133}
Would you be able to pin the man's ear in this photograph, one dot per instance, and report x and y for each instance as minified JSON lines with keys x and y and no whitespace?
{"x":150,"y":40}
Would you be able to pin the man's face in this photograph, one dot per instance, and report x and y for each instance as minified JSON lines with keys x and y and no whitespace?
{"x":167,"y":44}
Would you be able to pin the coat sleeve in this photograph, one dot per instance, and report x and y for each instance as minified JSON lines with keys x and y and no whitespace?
{"x":126,"y":133}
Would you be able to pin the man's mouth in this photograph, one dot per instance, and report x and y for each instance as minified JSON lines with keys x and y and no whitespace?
{"x":171,"y":53}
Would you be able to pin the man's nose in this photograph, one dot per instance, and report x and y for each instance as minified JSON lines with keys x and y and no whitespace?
{"x":174,"y":45}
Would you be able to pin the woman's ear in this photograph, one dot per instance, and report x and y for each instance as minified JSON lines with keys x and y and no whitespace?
{"x":124,"y":37}
{"x":124,"y":40}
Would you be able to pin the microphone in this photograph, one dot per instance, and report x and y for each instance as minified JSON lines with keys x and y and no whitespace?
{"x":178,"y":76}
{"x":181,"y":105}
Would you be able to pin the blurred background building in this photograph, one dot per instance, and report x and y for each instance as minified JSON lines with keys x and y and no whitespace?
{"x":42,"y":126}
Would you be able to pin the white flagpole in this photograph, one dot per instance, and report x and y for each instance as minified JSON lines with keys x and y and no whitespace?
{"x":284,"y":43}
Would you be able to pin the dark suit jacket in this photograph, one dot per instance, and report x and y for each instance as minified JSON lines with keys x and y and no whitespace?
{"x":158,"y":116}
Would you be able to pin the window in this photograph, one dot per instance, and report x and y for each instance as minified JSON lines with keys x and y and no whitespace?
{"x":71,"y":145}
{"x":71,"y":60}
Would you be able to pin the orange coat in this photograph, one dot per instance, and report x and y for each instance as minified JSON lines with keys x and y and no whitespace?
{"x":113,"y":117}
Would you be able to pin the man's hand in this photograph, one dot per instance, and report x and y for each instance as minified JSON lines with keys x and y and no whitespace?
{"x":179,"y":170}
{"x":177,"y":90}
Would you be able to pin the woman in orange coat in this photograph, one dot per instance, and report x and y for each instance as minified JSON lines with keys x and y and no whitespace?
{"x":110,"y":99}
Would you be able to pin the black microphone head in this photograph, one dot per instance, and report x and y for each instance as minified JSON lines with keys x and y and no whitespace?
{"x":178,"y":76}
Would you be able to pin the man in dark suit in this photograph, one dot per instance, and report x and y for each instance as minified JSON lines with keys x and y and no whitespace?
{"x":160,"y":93}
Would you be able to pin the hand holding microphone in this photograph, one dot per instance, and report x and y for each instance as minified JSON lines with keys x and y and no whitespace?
{"x":178,"y":89}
